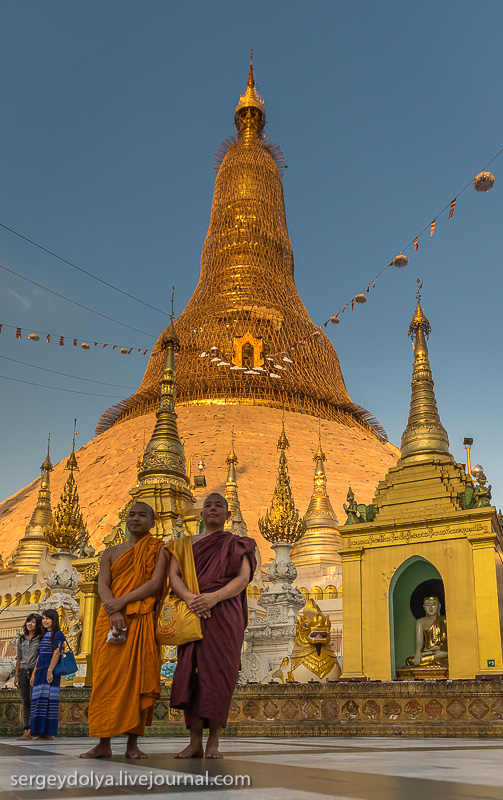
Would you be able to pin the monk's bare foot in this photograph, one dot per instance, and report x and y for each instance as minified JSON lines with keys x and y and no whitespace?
{"x":100,"y":751}
{"x":44,"y":738}
{"x":26,"y":737}
{"x":212,"y":751}
{"x":133,"y":751}
{"x":191,"y":751}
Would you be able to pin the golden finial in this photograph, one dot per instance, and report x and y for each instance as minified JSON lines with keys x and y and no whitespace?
{"x":282,"y":522}
{"x":67,"y":531}
{"x":419,"y":319}
{"x":424,"y":435}
{"x":248,"y":120}
{"x":47,"y":463}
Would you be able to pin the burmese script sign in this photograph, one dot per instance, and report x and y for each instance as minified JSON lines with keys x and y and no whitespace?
{"x":409,"y":535}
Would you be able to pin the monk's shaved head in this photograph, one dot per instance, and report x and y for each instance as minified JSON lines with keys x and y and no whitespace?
{"x":145,"y":505}
{"x":216,"y":494}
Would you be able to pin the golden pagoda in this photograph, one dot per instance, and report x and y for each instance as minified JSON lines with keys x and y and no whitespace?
{"x":428,"y":532}
{"x":67,"y":530}
{"x":235,"y":523}
{"x":241,"y":330}
{"x":320,"y":545}
{"x":29,"y":551}
{"x":248,"y":349}
{"x":162,"y":478}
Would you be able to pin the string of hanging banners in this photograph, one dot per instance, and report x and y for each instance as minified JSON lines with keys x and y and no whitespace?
{"x":482,"y":183}
{"x":36,"y":336}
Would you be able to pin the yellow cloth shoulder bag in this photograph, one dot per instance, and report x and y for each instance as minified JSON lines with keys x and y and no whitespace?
{"x":176,"y":623}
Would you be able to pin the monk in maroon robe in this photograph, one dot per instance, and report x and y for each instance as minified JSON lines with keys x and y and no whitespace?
{"x":207,"y":670}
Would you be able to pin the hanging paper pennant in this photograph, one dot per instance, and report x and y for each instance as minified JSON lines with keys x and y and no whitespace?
{"x":368,"y":288}
{"x":374,"y":284}
{"x":18,"y":333}
{"x":145,"y":352}
{"x":1,"y":326}
{"x":432,"y":227}
{"x":48,"y":338}
{"x":451,"y":210}
{"x":353,"y":304}
{"x":416,"y":244}
{"x":75,"y":342}
{"x":61,"y":341}
{"x":105,"y":345}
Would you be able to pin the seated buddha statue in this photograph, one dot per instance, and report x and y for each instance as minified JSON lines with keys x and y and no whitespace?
{"x":431,"y":637}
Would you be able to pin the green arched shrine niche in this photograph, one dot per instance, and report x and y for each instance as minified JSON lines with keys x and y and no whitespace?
{"x":408,"y":576}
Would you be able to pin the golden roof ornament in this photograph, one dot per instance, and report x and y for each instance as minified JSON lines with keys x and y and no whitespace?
{"x":67,"y":531}
{"x":231,"y":494}
{"x":282,"y":522}
{"x":424,"y":436}
{"x":249,"y":100}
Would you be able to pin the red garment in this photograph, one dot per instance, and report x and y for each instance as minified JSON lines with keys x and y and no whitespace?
{"x":207,"y":670}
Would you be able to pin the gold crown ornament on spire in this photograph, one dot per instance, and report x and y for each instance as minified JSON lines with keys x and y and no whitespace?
{"x":250,"y":111}
{"x":282,"y":523}
{"x":425,"y":436}
{"x":67,"y":531}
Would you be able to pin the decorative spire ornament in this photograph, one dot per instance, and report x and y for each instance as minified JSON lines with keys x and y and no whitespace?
{"x":321,"y":543}
{"x":282,"y":523}
{"x":67,"y":531}
{"x":235,"y":523}
{"x":424,"y":436}
{"x":162,"y":478}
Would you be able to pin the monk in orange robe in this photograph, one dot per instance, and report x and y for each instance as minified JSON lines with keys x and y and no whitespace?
{"x":126,"y":675}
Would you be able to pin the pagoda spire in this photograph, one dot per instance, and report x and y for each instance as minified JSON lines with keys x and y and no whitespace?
{"x":231,"y":495}
{"x":249,"y":115}
{"x":27,"y":556}
{"x":321,"y":542}
{"x":424,"y":436}
{"x":282,"y":522}
{"x":164,"y":456}
{"x":162,"y":478}
{"x":67,"y":531}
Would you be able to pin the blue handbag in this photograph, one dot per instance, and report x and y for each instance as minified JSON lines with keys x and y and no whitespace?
{"x":66,"y":664}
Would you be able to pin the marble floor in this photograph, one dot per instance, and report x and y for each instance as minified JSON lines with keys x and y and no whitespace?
{"x":261,"y":769}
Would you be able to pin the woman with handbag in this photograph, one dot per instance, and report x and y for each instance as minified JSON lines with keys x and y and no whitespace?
{"x":27,"y":653}
{"x":45,"y":697}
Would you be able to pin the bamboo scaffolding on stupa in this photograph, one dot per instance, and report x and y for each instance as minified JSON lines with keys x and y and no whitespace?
{"x":246,"y":307}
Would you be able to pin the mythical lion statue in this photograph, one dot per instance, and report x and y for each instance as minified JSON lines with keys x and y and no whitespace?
{"x":312,"y":657}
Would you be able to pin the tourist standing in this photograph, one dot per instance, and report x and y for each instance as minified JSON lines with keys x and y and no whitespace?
{"x":27,"y":653}
{"x":45,"y":697}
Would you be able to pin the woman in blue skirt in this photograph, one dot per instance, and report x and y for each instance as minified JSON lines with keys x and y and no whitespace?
{"x":45,"y":697}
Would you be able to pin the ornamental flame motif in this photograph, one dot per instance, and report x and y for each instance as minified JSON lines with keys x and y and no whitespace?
{"x":67,"y":530}
{"x":282,"y":523}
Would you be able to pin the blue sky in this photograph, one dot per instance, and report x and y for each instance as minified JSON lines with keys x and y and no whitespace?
{"x":110,"y":115}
